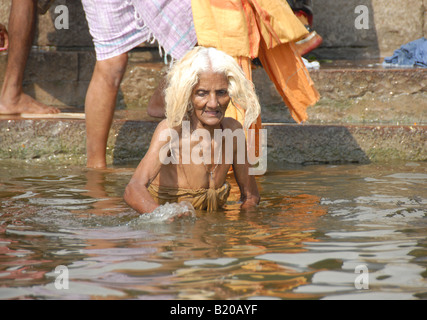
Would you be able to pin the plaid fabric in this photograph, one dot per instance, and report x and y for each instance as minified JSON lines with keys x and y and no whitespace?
{"x":118,"y":26}
{"x":171,"y":23}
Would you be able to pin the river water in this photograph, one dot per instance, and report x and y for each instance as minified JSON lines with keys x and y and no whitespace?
{"x":320,"y":232}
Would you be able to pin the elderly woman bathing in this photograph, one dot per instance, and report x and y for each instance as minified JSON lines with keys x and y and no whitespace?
{"x":178,"y":166}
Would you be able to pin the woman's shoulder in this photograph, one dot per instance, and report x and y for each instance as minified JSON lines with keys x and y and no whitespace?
{"x":163,"y":134}
{"x":163,"y":124}
{"x":230,"y":123}
{"x":163,"y":128}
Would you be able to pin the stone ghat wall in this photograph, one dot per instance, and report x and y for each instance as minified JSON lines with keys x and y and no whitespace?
{"x":390,"y":23}
{"x":61,"y":64}
{"x":63,"y":141}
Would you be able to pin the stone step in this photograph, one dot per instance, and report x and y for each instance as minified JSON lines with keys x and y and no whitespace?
{"x":366,"y":113}
{"x":63,"y":141}
{"x":356,"y":92}
{"x":351,"y":91}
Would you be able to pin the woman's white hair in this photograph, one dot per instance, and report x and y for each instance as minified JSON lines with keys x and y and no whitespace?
{"x":184,"y":76}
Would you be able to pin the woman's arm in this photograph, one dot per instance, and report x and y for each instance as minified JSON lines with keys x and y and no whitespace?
{"x":248,"y":187}
{"x":247,"y":183}
{"x":136,"y":193}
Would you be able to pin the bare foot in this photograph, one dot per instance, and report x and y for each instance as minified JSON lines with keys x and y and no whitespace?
{"x":24,"y":104}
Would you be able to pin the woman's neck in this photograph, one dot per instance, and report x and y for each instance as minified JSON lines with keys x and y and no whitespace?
{"x":194,"y":125}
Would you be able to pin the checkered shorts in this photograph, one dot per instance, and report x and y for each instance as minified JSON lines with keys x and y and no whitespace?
{"x":118,"y":26}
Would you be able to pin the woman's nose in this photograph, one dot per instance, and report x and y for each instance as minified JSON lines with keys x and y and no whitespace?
{"x":212,"y":101}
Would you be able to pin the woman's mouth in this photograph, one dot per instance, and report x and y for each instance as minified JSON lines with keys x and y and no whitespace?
{"x":212,"y":113}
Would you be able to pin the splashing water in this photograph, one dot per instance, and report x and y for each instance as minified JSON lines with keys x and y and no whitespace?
{"x":167,"y":213}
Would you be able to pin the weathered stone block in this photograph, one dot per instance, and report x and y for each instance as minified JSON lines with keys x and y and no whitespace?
{"x":425,"y":18}
{"x":392,"y":23}
{"x":397,"y":23}
{"x":52,"y":66}
{"x":4,"y":11}
{"x":64,"y":141}
{"x":77,"y":35}
{"x":335,"y":22}
{"x":139,"y":83}
{"x":58,"y":93}
{"x":86,"y":64}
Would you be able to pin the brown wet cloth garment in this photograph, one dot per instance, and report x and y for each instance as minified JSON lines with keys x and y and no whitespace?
{"x":202,"y":199}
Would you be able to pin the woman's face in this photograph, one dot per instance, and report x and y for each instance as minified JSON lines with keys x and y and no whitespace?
{"x":210,"y":99}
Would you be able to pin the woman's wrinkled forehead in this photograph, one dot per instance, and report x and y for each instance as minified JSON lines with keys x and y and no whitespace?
{"x":208,"y":77}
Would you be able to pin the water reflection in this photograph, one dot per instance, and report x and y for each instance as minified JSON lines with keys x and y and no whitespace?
{"x":314,"y":226}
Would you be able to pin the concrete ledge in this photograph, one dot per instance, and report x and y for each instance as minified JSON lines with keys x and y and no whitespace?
{"x":351,"y":91}
{"x":355,"y":92}
{"x":306,"y":144}
{"x":63,"y":141}
{"x":370,"y":95}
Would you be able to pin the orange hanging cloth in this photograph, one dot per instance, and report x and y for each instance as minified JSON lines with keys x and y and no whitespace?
{"x":264,"y":29}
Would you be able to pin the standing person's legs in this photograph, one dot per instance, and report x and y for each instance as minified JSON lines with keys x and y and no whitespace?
{"x":21,"y":34}
{"x":99,"y":107}
{"x":115,"y":31}
{"x":116,"y":27}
